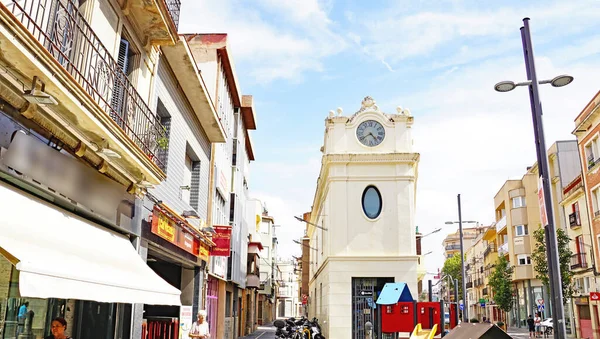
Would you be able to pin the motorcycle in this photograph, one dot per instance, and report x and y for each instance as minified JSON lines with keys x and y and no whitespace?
{"x":302,"y":328}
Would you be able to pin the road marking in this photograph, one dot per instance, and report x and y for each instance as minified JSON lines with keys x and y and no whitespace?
{"x":261,"y":335}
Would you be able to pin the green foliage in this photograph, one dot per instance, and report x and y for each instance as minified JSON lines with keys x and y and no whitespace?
{"x":452,"y":267}
{"x":474,"y":320}
{"x":540,"y":262}
{"x":501,"y":283}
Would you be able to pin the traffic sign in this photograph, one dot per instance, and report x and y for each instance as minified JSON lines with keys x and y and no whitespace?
{"x":462,"y":307}
{"x":304,"y":299}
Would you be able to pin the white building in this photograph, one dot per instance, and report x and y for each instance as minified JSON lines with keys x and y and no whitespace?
{"x":287,"y":291}
{"x":364,"y":206}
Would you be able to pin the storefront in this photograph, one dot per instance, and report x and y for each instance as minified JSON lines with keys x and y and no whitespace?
{"x":178,"y":253}
{"x":58,"y":264}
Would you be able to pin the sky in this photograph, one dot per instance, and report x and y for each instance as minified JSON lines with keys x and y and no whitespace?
{"x":300,"y":59}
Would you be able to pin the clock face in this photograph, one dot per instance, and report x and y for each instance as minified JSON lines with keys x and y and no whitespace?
{"x":370,"y":133}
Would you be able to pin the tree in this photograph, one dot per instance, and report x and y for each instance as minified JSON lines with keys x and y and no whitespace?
{"x":540,"y":261}
{"x":501,"y":282}
{"x":453,"y":268}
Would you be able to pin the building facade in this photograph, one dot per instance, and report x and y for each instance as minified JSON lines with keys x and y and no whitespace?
{"x":80,"y":141}
{"x":517,"y":214}
{"x":587,"y":130}
{"x":288,"y":304}
{"x":366,"y":233}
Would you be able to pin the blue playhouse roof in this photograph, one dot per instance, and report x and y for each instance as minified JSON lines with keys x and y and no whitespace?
{"x":393,"y":293}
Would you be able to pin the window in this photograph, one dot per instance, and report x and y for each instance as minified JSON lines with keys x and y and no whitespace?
{"x":128,"y":60}
{"x":521,"y":230}
{"x":524,"y":259}
{"x":371,"y":202}
{"x":186,"y":185}
{"x":575,"y":209}
{"x":591,"y":152}
{"x":596,"y":201}
{"x":518,"y":202}
{"x":165,"y":120}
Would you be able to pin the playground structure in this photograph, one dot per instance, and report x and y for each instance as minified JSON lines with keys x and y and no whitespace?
{"x":403,"y":317}
{"x":419,"y":333}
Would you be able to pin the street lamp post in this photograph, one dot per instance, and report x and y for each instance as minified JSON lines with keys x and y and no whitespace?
{"x":542,"y":160}
{"x":462,"y":259}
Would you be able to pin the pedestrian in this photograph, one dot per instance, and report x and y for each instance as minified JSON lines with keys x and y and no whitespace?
{"x":21,"y":315}
{"x":486,"y":320}
{"x":538,"y":324}
{"x":58,"y":328}
{"x":530,"y":324}
{"x":200,"y":327}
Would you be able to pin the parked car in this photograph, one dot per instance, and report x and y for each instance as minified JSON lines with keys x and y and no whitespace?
{"x":547,"y":326}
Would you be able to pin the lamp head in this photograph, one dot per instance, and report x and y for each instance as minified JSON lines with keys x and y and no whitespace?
{"x":561,"y":80}
{"x":505,"y":86}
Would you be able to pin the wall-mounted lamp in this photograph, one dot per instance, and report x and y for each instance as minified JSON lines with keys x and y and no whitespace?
{"x":186,"y":187}
{"x":191,"y":214}
{"x":39,"y":97}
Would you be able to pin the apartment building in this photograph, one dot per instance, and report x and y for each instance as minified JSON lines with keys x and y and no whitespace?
{"x":287,"y":292}
{"x":475,"y":277}
{"x":79,"y":121}
{"x":490,"y":257}
{"x":582,"y":198}
{"x":451,"y":243}
{"x":517,"y":215}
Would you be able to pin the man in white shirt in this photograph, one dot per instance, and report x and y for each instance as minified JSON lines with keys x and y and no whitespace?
{"x":200,"y":327}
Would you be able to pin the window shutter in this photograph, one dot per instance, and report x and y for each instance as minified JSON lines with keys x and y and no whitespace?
{"x":118,"y":98}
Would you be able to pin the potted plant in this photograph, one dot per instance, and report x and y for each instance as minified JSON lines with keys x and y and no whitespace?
{"x":474,"y":320}
{"x":501,"y":325}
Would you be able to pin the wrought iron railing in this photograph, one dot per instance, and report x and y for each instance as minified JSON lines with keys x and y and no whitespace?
{"x":174,"y":7}
{"x":452,"y":247}
{"x":578,"y":260}
{"x":469,"y":284}
{"x":574,"y":220}
{"x":491,"y":248}
{"x":63,"y":31}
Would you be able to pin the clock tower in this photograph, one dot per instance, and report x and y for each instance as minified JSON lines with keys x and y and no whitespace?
{"x":361,"y":229}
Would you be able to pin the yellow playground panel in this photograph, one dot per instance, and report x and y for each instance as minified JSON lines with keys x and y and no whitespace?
{"x":419,"y":333}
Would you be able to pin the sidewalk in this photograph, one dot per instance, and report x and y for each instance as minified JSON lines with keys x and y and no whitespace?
{"x":266,"y":331}
{"x":523,"y":332}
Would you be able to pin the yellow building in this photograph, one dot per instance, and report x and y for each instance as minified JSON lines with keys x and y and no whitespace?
{"x":517,"y":215}
{"x":490,"y":256}
{"x":475,"y":276}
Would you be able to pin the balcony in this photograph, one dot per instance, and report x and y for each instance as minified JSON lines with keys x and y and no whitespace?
{"x":503,"y":250}
{"x":491,"y":248}
{"x":157,"y":19}
{"x":469,"y":284}
{"x":578,"y":260}
{"x":96,"y":99}
{"x":574,"y":221}
{"x":500,"y":224}
{"x":452,"y":247}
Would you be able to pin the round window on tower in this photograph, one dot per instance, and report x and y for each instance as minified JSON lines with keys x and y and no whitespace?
{"x":371,"y":202}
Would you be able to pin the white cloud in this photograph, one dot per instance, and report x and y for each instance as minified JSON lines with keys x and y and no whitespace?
{"x":394,"y":34}
{"x":472,"y":139}
{"x":274,"y":40}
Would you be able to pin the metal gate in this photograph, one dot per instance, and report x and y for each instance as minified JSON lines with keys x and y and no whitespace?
{"x":364,"y":295}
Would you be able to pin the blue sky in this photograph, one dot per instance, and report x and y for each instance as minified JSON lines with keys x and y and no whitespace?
{"x":302,"y":58}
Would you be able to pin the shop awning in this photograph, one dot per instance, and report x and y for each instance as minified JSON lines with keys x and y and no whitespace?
{"x":60,"y":255}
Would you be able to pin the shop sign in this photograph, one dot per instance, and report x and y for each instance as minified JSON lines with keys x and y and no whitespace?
{"x":222,"y":239}
{"x":581,"y":300}
{"x":168,"y":229}
{"x":595,"y":296}
{"x":186,"y":319}
{"x":204,"y":252}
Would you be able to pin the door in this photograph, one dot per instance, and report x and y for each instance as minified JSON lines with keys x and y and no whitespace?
{"x":585,"y":321}
{"x":96,"y":320}
{"x":364,"y":294}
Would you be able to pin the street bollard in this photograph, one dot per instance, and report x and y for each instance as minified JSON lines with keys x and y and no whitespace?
{"x":368,"y":330}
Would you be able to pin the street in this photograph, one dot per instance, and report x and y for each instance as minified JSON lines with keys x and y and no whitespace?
{"x":263,"y":332}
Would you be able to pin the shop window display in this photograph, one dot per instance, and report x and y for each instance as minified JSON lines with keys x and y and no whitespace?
{"x":31,"y":316}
